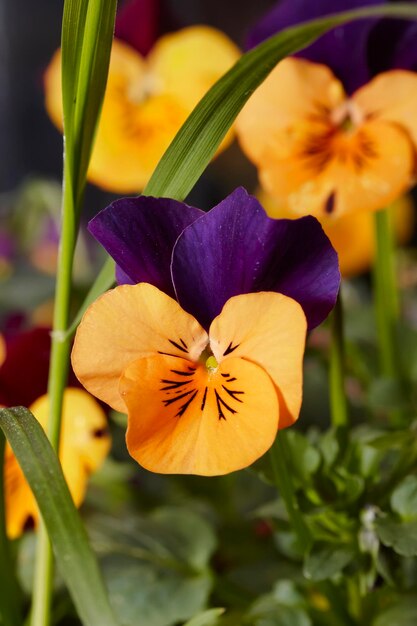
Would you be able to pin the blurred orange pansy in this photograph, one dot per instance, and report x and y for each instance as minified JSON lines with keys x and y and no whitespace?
{"x":146,"y":101}
{"x":198,"y":402}
{"x":321,"y":152}
{"x":84,"y":445}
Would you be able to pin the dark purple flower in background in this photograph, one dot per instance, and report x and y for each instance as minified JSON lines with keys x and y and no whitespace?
{"x":204,"y":259}
{"x":355,"y":52}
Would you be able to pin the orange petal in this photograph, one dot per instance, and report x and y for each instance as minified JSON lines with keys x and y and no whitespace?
{"x":124,"y":324}
{"x":362,"y":170}
{"x":126,"y":71}
{"x":391,"y":96}
{"x":295,"y":92}
{"x":85,"y":443}
{"x":132,"y":138}
{"x":268,"y":329}
{"x":188,"y":62}
{"x":20,"y":503}
{"x":187,"y":419}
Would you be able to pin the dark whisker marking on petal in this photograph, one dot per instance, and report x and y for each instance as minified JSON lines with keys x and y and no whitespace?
{"x":231,"y":380}
{"x":203,"y":402}
{"x":183,"y":395}
{"x":221,"y":402}
{"x":233,"y":394}
{"x":330,"y":203}
{"x":182,"y":373}
{"x":230,"y":349}
{"x":186,"y":405}
{"x":192,"y":369}
{"x":225,"y":375}
{"x":169,"y":354}
{"x":177,"y":345}
{"x":173,"y":384}
{"x":183,"y":343}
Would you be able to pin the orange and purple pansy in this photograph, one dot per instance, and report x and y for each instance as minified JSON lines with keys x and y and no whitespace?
{"x":202,"y":342}
{"x":333,"y":130}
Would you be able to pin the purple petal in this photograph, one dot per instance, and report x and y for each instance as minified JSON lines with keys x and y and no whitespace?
{"x":343,"y":49}
{"x":236,"y":248}
{"x":137,"y":24}
{"x":122,"y":278}
{"x":140,"y":233}
{"x":393,"y":45}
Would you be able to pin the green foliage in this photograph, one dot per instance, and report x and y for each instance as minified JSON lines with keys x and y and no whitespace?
{"x":326,"y":560}
{"x":401,"y":536}
{"x":42,"y":470}
{"x":404,"y":499}
{"x":403,"y":613}
{"x":156,"y":568}
{"x":208,"y":618}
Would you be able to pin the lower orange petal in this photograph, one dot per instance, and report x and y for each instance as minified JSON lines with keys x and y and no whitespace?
{"x":187,"y":419}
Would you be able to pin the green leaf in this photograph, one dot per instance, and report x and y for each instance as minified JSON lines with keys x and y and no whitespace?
{"x":325,"y":560}
{"x":274,"y":610}
{"x":197,"y":141}
{"x":400,"y":536}
{"x":403,"y":613}
{"x":156,"y":566}
{"x":87,"y":29}
{"x":404,"y":499}
{"x":304,"y":458}
{"x":77,"y":562}
{"x":208,"y":618}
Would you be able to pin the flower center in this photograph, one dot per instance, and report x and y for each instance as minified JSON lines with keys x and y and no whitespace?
{"x":209,"y":360}
{"x":140,"y":90}
{"x":347,"y":116}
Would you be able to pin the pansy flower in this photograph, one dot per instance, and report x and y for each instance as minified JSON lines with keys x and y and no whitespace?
{"x":327,"y":135}
{"x":352,"y":235}
{"x":202,"y":342}
{"x":24,"y":361}
{"x":147,"y":99}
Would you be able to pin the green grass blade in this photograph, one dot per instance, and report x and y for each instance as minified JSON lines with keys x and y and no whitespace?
{"x":196,"y":142}
{"x":87,"y":30}
{"x":77,"y":562}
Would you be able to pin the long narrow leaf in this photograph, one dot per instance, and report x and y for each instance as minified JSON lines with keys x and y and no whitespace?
{"x":77,"y":562}
{"x":87,"y":30}
{"x":196,"y":142}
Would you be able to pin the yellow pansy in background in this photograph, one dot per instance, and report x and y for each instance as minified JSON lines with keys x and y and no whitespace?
{"x":146,"y":102}
{"x":85,"y":443}
{"x":353,"y":235}
{"x":320,"y":151}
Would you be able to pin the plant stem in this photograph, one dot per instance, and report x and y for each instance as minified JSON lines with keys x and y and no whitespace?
{"x":58,"y":374}
{"x":10,"y":613}
{"x":279,"y":455}
{"x":386,"y":294}
{"x":338,"y":403}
